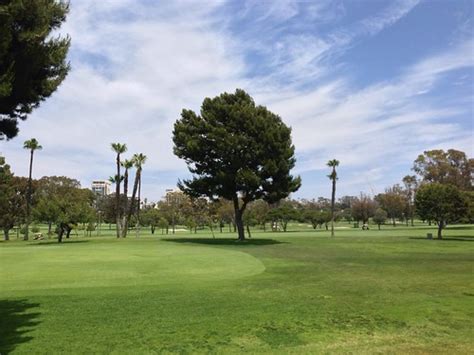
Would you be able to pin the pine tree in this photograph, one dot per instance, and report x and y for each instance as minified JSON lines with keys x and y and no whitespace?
{"x":32,"y":63}
{"x":236,"y":150}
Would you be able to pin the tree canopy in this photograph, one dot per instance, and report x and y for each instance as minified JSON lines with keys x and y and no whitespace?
{"x":32,"y":62}
{"x":445,"y":167}
{"x":440,"y":203}
{"x":236,"y":149}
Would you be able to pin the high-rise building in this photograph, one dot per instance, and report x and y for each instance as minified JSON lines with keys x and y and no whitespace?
{"x":101,"y":187}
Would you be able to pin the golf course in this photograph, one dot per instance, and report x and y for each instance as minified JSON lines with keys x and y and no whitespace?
{"x":388,"y":291}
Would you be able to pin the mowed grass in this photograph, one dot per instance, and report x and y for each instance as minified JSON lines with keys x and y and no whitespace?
{"x":389,"y":291}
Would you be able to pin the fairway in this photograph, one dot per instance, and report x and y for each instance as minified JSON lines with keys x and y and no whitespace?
{"x":295,"y":292}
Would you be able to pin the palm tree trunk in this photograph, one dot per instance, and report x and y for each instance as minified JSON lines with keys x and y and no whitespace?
{"x":138,"y":207}
{"x":28,"y":198}
{"x":333,"y":201}
{"x":132,"y":202}
{"x":125,"y":192}
{"x":117,"y":198}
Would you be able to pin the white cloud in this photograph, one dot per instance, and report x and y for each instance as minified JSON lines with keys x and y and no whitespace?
{"x":135,"y":67}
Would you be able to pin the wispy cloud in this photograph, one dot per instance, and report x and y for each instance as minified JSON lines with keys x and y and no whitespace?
{"x":137,"y":64}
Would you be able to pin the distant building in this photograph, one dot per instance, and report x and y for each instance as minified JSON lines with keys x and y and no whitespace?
{"x":101,"y":187}
{"x":174,"y":197}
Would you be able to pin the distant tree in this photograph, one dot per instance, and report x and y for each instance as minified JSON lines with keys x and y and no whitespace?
{"x":225,"y":213}
{"x":32,"y":61}
{"x":119,"y":149}
{"x":151,"y":217}
{"x":363,"y":208}
{"x":284,"y":213}
{"x":237,"y":151}
{"x":380,"y":216}
{"x":393,"y":201}
{"x":333,"y":176}
{"x":411,"y":185}
{"x":440,"y":203}
{"x":31,"y":145}
{"x":259,"y":212}
{"x":13,"y":205}
{"x":7,"y":220}
{"x":445,"y":167}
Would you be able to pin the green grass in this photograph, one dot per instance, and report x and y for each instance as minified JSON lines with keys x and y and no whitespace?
{"x":389,"y":291}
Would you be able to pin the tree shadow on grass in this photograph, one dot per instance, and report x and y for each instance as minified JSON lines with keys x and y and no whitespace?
{"x":448,"y":239}
{"x":55,"y":242}
{"x":224,"y":241}
{"x":15,"y":322}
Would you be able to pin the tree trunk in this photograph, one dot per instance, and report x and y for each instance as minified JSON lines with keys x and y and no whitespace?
{"x":248,"y":231}
{"x":440,"y":229}
{"x":393,"y":222}
{"x":117,"y":199}
{"x":333,"y":200}
{"x":238,"y":219}
{"x":60,"y":235}
{"x":379,"y":226}
{"x":153,"y":230}
{"x":132,"y":203}
{"x":28,"y":197}
{"x":138,"y":208}
{"x":264,"y":227}
{"x":6,"y":234}
{"x":49,"y":228}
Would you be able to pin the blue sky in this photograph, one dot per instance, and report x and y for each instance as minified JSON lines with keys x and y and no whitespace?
{"x":371,"y":83}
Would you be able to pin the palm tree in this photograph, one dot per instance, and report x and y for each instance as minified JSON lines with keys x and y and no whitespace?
{"x":119,"y":149}
{"x":32,"y":145}
{"x":138,"y":161}
{"x":127,"y":164}
{"x":333,"y":176}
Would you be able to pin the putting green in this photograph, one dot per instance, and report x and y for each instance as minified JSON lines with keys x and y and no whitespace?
{"x":42,"y":267}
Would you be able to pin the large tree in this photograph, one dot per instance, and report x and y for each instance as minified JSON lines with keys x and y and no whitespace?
{"x":32,"y":62}
{"x":333,"y":177}
{"x":31,"y":145}
{"x":236,"y":150}
{"x":440,"y":203}
{"x":445,"y":167}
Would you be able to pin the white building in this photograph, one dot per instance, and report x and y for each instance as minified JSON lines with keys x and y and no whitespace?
{"x":101,"y":187}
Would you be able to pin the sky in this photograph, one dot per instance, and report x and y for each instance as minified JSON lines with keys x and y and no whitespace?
{"x":371,"y":83}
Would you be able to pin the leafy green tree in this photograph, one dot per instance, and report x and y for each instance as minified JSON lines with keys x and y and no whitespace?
{"x":225,"y":213}
{"x":259,"y":210}
{"x":393,"y":201}
{"x":380,"y":216}
{"x":284,"y":213}
{"x":151,"y":217}
{"x":32,"y":61}
{"x":445,"y":167}
{"x":119,"y":149}
{"x":31,"y":145}
{"x":440,"y":203}
{"x":237,"y":151}
{"x":13,"y":202}
{"x":333,"y":176}
{"x":363,"y":208}
{"x":7,"y":220}
{"x":411,"y":185}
